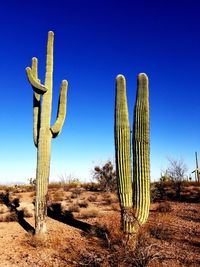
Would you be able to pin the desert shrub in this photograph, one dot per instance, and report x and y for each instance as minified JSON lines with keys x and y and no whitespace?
{"x":177,"y":171}
{"x":89,"y":213}
{"x":144,"y":252}
{"x":74,"y":208}
{"x":170,"y":194}
{"x":109,"y":198}
{"x":137,"y":253}
{"x":9,"y":217}
{"x":115,"y":235}
{"x":92,"y":198}
{"x":108,"y":201}
{"x":58,"y":196}
{"x":178,"y":187}
{"x":158,"y":191}
{"x":68,"y":199}
{"x":93,"y":187}
{"x":164,"y":207}
{"x":54,"y":186}
{"x":115,"y":206}
{"x":74,"y":195}
{"x":106,"y":177}
{"x":4,"y":187}
{"x":76,"y":192}
{"x":3,"y":209}
{"x":68,"y":182}
{"x":83,"y":203}
{"x":21,"y":188}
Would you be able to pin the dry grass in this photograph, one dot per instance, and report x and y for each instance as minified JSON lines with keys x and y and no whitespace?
{"x":92,"y":198}
{"x":35,"y":241}
{"x":54,"y":186}
{"x":75,"y":192}
{"x":161,"y":232}
{"x":162,"y":229}
{"x":74,"y":208}
{"x":170,"y":238}
{"x":57,"y":196}
{"x":83,"y":203}
{"x":116,"y":250}
{"x":9,"y":217}
{"x":3,"y":209}
{"x":189,"y":191}
{"x":164,"y":207}
{"x":26,"y":213}
{"x":88,"y":213}
{"x":32,"y":194}
{"x":115,"y":207}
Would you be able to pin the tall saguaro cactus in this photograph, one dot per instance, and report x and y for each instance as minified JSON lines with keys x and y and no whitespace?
{"x":43,"y":132}
{"x":197,"y":173}
{"x":134,"y":194}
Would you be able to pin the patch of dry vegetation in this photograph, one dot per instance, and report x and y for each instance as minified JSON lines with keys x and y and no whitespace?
{"x":164,"y":207}
{"x":9,"y":217}
{"x":170,"y":238}
{"x":92,"y":198}
{"x":88,"y":213}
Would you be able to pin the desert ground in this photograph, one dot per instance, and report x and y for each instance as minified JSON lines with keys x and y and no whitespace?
{"x":84,"y":230}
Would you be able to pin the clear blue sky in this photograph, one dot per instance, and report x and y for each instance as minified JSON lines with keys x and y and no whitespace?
{"x":95,"y":40}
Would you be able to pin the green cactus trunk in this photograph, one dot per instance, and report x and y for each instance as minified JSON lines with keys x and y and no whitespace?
{"x":42,"y":131}
{"x":134,"y":195}
{"x":141,"y":156}
{"x":197,"y":173}
{"x":122,"y":152}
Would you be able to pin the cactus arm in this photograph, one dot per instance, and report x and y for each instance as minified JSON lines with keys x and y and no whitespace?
{"x":141,"y":156}
{"x":37,"y":86}
{"x":36,"y":118}
{"x":122,"y":153}
{"x":49,"y":63}
{"x":36,"y":104}
{"x":57,"y":127}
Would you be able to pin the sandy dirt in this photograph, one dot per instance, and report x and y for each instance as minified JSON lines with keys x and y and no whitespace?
{"x":176,"y":233}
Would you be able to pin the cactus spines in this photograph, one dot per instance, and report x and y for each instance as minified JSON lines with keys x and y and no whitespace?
{"x":134,"y":194}
{"x":122,"y":150}
{"x":141,"y":160}
{"x":42,"y":131}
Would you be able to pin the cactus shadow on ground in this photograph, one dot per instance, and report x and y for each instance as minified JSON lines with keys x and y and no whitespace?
{"x":55,"y":212}
{"x":19,"y":213}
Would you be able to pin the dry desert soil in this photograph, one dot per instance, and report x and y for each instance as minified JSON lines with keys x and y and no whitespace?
{"x":84,"y":230}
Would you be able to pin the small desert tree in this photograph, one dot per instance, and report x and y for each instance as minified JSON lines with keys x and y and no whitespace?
{"x":176,"y":171}
{"x":106,"y":177}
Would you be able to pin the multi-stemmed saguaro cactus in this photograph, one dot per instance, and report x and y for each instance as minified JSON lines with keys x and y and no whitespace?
{"x":134,"y":193}
{"x":43,"y":132}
